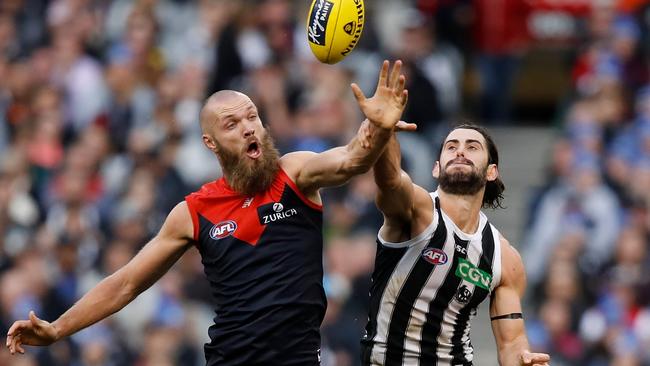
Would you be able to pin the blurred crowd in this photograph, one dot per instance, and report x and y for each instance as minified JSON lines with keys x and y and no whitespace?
{"x":99,"y":139}
{"x":587,"y":246}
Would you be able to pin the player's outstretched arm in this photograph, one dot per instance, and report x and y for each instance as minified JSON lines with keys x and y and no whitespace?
{"x":506,"y":313}
{"x":115,"y":291}
{"x":398,"y":198}
{"x":336,"y":166}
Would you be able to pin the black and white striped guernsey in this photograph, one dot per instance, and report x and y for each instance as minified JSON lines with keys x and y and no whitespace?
{"x":426,"y":290}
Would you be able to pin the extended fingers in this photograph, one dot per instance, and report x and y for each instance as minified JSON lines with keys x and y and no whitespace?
{"x":358,"y":94}
{"x":399,"y":88}
{"x":395,"y":75}
{"x":383,"y":74}
{"x":405,"y":97}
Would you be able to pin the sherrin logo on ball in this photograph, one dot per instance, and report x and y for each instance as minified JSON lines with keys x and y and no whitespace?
{"x":334,"y":28}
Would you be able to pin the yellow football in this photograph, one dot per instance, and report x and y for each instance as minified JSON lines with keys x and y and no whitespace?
{"x":334,"y":28}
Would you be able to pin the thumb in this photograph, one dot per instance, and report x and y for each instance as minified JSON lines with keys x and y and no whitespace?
{"x":358,"y":94}
{"x":405,"y":126}
{"x":34,"y":319}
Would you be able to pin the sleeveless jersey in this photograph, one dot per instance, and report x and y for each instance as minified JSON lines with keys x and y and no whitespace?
{"x":263,"y":258}
{"x":426,"y":290}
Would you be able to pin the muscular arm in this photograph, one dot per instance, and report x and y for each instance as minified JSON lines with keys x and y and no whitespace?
{"x":398,"y":198}
{"x":338,"y":165}
{"x":510,"y":334}
{"x":115,"y":291}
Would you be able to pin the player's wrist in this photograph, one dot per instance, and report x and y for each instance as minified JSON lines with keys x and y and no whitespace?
{"x":57,"y":331}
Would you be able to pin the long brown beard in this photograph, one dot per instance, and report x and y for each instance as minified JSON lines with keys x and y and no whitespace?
{"x":462,"y":183}
{"x":249,"y":177}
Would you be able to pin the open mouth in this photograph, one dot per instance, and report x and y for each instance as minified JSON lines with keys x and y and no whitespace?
{"x":254,"y":150}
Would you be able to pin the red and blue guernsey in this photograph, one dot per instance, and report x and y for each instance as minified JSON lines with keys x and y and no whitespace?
{"x":263,"y":257}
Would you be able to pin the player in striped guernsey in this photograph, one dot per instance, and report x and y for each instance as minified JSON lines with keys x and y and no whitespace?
{"x":438,"y":258}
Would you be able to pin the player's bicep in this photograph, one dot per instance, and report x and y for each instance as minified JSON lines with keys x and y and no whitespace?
{"x":155,"y":258}
{"x":506,"y":316}
{"x":324,"y":169}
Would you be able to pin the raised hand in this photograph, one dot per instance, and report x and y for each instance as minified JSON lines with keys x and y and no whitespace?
{"x":32,"y":332}
{"x":385,"y":108}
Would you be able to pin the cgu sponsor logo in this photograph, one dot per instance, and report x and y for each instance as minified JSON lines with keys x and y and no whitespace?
{"x":470,"y":273}
{"x":434,"y":256}
{"x":358,"y":28}
{"x":318,"y":21}
{"x":279,"y":214}
{"x":223,"y":229}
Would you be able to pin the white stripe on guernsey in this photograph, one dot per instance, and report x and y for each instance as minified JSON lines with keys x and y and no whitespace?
{"x":496,"y":261}
{"x":391,"y":293}
{"x":474,"y":252}
{"x":395,"y":283}
{"x":421,"y":307}
{"x":468,"y":350}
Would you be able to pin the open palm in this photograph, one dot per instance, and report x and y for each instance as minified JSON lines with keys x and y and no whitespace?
{"x":384,"y":109}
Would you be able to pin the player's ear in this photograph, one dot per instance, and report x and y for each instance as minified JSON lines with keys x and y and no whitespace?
{"x":492,"y":172}
{"x":436,"y":169}
{"x":209,"y":142}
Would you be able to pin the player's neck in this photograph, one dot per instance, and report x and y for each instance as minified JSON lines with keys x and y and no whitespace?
{"x":463,"y":210}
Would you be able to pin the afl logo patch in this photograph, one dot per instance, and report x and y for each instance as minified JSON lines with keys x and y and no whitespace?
{"x":223,"y":229}
{"x":434,"y":256}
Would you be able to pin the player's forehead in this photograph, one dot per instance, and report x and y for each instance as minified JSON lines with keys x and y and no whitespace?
{"x":464,"y":135}
{"x":232,"y":104}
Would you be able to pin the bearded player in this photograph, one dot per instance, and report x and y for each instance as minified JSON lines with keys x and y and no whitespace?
{"x":259,"y":232}
{"x":438,"y":258}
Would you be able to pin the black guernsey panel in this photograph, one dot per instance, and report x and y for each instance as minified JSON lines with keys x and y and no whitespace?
{"x":263,"y":258}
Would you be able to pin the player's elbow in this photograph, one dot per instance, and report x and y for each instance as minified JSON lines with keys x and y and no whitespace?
{"x":125,"y":289}
{"x":387,"y":184}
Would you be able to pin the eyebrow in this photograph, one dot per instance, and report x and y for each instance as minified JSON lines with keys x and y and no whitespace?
{"x":468,"y":141}
{"x":250,"y":108}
